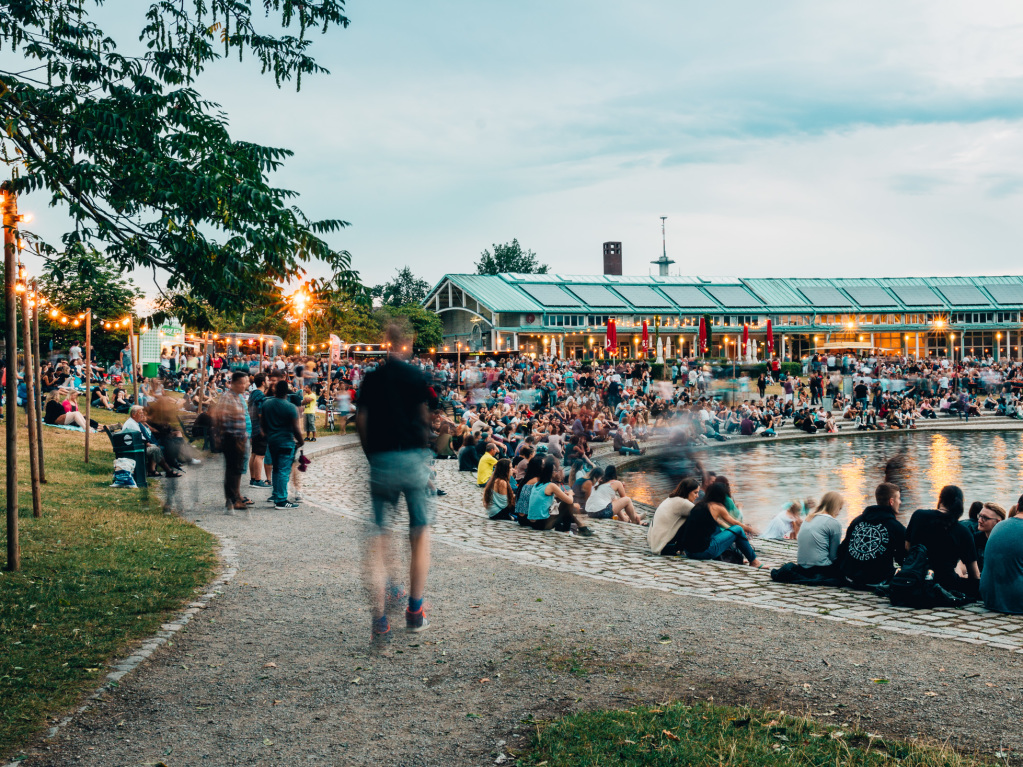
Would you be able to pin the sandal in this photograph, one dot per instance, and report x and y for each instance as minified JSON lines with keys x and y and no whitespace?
{"x":173,"y":474}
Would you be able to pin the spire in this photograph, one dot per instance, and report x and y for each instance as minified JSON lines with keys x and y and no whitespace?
{"x":663,"y":262}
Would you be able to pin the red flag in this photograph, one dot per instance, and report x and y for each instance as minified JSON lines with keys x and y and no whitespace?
{"x":611,"y":339}
{"x":703,"y":335}
{"x":770,"y":340}
{"x":645,"y":343}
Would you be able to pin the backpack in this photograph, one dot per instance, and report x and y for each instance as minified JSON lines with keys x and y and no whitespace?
{"x":909,"y":586}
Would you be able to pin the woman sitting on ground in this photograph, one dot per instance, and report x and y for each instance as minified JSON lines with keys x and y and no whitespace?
{"x":819,"y":538}
{"x":56,"y":414}
{"x":785,"y":526}
{"x":730,"y":505}
{"x":582,"y":483}
{"x":665,"y":533}
{"x":608,"y":500}
{"x":947,"y":542}
{"x":498,"y":496}
{"x":544,"y":495}
{"x":534,"y":467}
{"x":710,"y":530}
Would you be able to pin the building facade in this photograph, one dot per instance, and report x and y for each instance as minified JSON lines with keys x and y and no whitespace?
{"x":567,"y":314}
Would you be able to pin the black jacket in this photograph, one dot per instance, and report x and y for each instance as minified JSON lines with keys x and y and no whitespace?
{"x":874,"y":542}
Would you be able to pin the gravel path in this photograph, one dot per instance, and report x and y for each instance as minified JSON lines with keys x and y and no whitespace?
{"x":278,"y":669}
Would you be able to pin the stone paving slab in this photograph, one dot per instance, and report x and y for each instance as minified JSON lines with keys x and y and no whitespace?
{"x":618,"y":552}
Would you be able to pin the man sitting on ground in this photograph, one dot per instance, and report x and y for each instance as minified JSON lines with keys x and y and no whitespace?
{"x":875,"y":540}
{"x":486,"y":465}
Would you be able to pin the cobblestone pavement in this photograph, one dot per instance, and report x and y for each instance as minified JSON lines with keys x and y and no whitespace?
{"x":618,"y":552}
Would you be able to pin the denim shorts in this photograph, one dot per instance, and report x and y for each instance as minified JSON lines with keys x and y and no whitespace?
{"x":407,"y":472}
{"x":607,"y":512}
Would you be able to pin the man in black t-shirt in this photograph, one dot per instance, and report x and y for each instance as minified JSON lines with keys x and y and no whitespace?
{"x":393,"y":424}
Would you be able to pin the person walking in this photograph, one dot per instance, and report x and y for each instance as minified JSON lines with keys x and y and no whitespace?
{"x":393,"y":426}
{"x":232,"y":420}
{"x":279,"y":420}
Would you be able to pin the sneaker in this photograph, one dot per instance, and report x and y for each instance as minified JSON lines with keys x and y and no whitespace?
{"x":286,"y":505}
{"x":381,"y":636}
{"x":395,"y":594}
{"x":259,"y":483}
{"x":416,"y":621}
{"x":196,"y":462}
{"x":585,"y":532}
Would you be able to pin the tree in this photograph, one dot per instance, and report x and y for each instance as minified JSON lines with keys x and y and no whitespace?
{"x":74,"y":284}
{"x":425,"y":326}
{"x":403,"y":290}
{"x":509,"y":258}
{"x":144,"y":165}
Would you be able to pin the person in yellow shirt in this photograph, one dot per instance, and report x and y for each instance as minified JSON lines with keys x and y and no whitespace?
{"x":309,"y":408}
{"x":486,"y":465}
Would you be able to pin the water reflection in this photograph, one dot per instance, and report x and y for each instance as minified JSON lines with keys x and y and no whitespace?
{"x":765,"y":476}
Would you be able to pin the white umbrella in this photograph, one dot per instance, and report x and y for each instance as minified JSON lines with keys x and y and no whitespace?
{"x":667,"y":348}
{"x":660,"y":351}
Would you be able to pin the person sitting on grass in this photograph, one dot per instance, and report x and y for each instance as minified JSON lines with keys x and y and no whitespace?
{"x":608,"y":500}
{"x":665,"y":533}
{"x":544,"y":495}
{"x":710,"y":530}
{"x":498,"y":496}
{"x":100,"y":399}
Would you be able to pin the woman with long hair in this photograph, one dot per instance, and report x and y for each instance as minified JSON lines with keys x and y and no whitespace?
{"x":542,"y":498}
{"x":498,"y":496}
{"x":710,"y":530}
{"x":665,"y":533}
{"x":608,"y":499}
{"x":819,"y":537}
{"x":533,"y":471}
{"x":948,"y":543}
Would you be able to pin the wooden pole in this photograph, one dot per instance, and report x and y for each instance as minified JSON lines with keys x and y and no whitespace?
{"x":30,"y":407}
{"x":10,"y":220}
{"x":133,"y":347}
{"x":202,"y":384}
{"x":39,"y":384}
{"x":88,"y":379}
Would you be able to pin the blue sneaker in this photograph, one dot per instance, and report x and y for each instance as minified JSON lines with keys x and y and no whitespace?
{"x":381,"y":632}
{"x":395,"y":594}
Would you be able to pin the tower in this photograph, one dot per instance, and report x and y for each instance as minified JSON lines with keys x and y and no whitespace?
{"x":612,"y":258}
{"x":663,"y":262}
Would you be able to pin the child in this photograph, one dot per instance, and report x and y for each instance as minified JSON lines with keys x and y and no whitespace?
{"x":309,"y":405}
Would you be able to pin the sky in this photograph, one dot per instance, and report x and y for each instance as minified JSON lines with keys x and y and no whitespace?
{"x":779,"y":139}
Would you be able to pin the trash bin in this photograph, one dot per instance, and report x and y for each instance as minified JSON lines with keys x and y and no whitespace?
{"x":129,"y":444}
{"x":151,"y":370}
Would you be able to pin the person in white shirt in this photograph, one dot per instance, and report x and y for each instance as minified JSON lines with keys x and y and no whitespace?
{"x":75,"y":353}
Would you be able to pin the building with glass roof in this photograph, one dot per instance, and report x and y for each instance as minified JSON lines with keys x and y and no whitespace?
{"x":924,"y":316}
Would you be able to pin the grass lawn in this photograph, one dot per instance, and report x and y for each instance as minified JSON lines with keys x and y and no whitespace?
{"x":102,"y":567}
{"x":721,"y":736}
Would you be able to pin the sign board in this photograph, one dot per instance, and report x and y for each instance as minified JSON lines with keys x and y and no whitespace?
{"x":155,"y":339}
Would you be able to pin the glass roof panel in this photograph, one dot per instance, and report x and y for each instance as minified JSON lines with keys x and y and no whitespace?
{"x":1006,"y":294}
{"x":688,"y":297}
{"x":551,"y":295}
{"x":824,"y":295}
{"x":596,"y":295}
{"x":917,"y":295}
{"x":963,"y":295}
{"x":642,"y":296}
{"x":870,"y":295}
{"x":734,"y":296}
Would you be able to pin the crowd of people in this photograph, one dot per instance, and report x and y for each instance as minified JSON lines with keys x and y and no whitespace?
{"x":524,"y":428}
